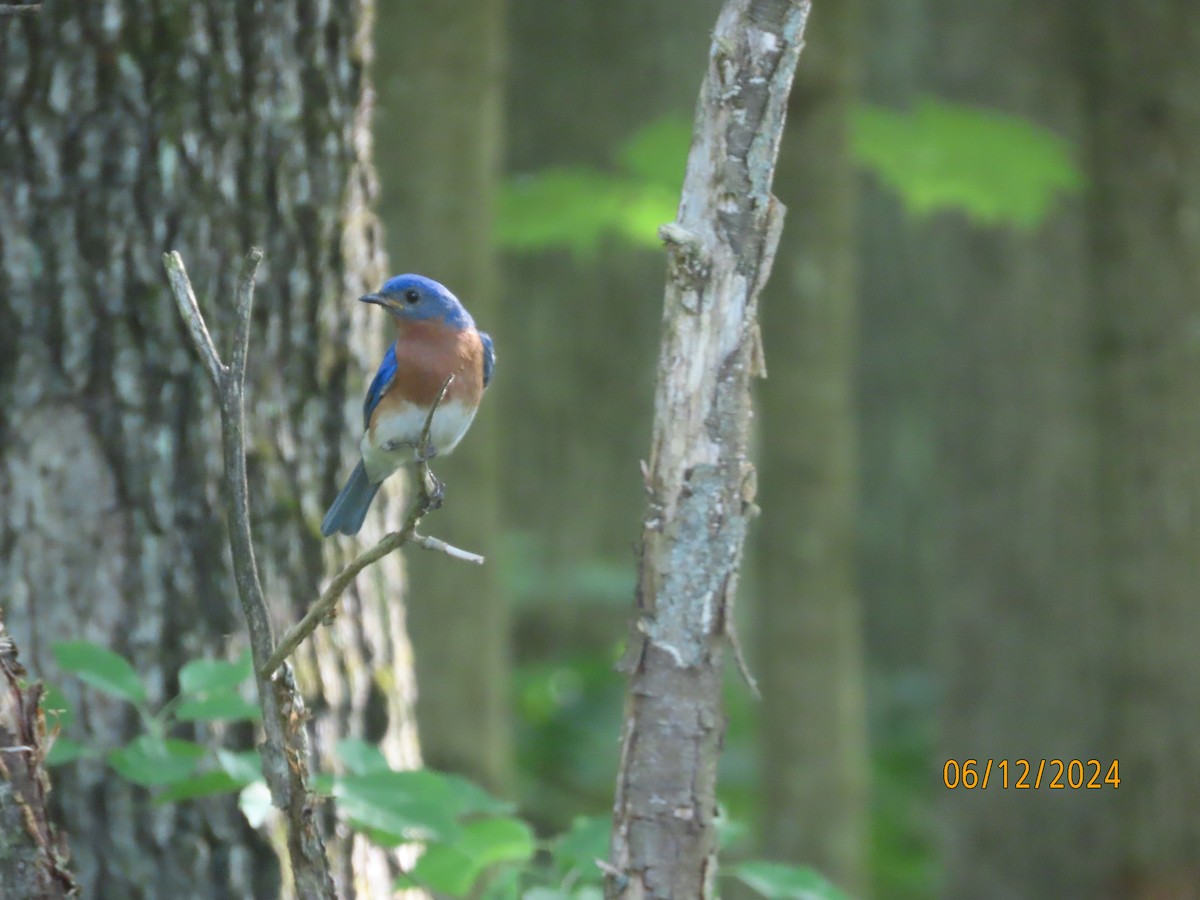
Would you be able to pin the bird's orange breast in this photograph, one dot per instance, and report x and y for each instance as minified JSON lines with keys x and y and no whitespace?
{"x":426,"y":354}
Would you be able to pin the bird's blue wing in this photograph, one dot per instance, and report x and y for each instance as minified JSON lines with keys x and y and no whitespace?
{"x":380,"y":383}
{"x":489,"y":357}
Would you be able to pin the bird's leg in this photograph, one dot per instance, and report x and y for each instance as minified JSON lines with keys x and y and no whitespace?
{"x":425,"y":449}
{"x":435,"y":490}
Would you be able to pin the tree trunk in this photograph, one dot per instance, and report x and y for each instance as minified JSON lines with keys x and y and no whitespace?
{"x":32,"y":853}
{"x":700,"y":483}
{"x":437,"y":207}
{"x":814,"y":740}
{"x":1142,"y":67}
{"x":1020,"y":636}
{"x":133,"y":129}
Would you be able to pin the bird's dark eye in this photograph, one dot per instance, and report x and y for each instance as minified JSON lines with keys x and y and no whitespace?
{"x":412,"y":295}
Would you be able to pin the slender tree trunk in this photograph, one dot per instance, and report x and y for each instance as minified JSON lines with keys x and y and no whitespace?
{"x":809,"y":622}
{"x":439,"y":140}
{"x":1020,"y":627}
{"x":1142,"y":66}
{"x":700,"y":483}
{"x":131,"y":129}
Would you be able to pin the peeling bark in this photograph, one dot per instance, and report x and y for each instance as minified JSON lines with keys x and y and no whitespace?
{"x":32,"y":854}
{"x":699,"y":480}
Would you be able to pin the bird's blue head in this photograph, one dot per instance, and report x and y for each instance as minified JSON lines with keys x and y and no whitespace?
{"x":415,"y":298}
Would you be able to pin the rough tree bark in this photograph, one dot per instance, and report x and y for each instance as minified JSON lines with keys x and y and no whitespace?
{"x":808,"y":621}
{"x":32,"y":853}
{"x":699,"y":481}
{"x":131,"y":129}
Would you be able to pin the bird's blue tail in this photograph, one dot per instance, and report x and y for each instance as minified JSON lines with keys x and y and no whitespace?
{"x":350,"y":508}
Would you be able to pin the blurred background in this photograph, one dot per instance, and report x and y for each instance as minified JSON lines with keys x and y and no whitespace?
{"x":977,"y":443}
{"x":977,"y":447}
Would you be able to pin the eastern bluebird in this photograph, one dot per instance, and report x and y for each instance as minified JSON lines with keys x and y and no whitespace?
{"x":436,"y":337}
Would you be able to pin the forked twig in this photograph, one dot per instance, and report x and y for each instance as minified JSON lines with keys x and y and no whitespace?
{"x":285,"y":745}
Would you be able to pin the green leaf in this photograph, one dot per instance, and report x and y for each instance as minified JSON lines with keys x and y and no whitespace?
{"x":586,"y":842}
{"x":203,"y":675}
{"x":360,"y":757}
{"x":149,"y":761}
{"x":397,"y":806}
{"x":446,"y":869}
{"x":101,"y":668}
{"x":998,"y":169}
{"x":255,"y":803}
{"x":657,"y":153}
{"x":777,"y":881}
{"x":64,"y":750}
{"x":504,"y":885}
{"x":56,"y":709}
{"x":454,"y":868}
{"x":206,"y":784}
{"x":226,"y":705}
{"x":569,"y":207}
{"x":491,"y":841}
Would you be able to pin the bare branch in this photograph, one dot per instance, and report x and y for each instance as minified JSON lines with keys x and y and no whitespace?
{"x":189,"y":310}
{"x":426,"y":500}
{"x":245,"y":305}
{"x":285,"y":747}
{"x":440,"y":546}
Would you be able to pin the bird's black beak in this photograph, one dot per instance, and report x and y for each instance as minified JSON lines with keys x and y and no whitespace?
{"x":372,"y":298}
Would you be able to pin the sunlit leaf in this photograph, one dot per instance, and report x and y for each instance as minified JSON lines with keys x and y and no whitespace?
{"x":997,"y":168}
{"x":568,"y":207}
{"x":777,"y":881}
{"x":203,"y":675}
{"x":101,"y":668}
{"x":255,"y":803}
{"x":657,"y":153}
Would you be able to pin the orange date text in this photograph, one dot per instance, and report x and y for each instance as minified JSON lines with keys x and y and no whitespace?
{"x":1031,"y":774}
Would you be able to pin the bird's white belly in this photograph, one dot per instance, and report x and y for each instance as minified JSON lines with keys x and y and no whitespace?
{"x":402,"y":428}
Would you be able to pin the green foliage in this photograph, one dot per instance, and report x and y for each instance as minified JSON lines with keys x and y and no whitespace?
{"x":151,"y":761}
{"x":454,"y":868}
{"x":998,"y":169}
{"x":575,"y":207}
{"x":211,"y":690}
{"x":472,"y":844}
{"x":206,"y":676}
{"x":777,"y":881}
{"x":101,"y":668}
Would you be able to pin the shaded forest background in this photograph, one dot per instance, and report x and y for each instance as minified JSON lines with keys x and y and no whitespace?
{"x":977,"y":443}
